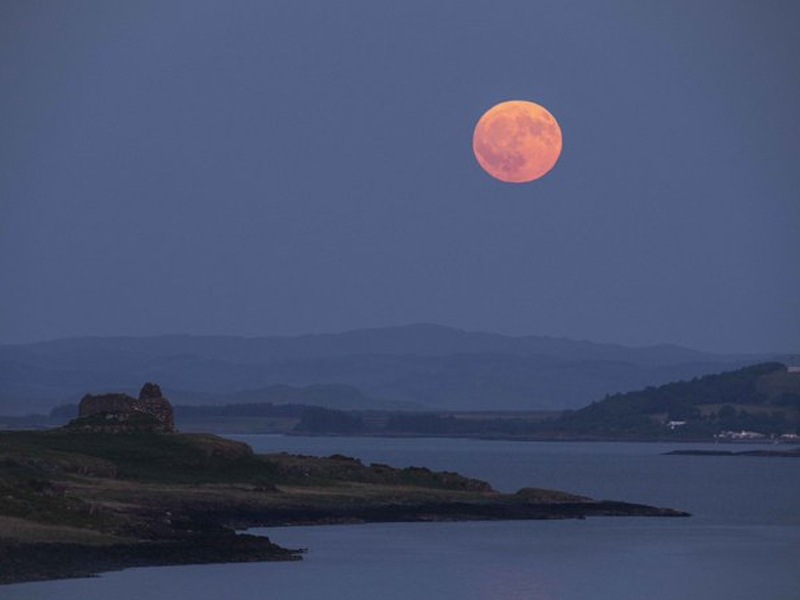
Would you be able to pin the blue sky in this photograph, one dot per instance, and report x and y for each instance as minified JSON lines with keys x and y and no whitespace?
{"x":259,"y":168}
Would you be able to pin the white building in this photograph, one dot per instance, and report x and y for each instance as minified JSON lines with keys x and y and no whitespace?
{"x":740,"y":435}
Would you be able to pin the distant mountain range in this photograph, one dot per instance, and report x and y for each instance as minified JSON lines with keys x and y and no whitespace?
{"x":416,"y":367}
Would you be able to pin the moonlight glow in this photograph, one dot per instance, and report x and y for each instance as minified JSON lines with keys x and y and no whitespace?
{"x":517,"y":141}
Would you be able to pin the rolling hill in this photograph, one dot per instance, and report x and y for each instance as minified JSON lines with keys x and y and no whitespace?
{"x":419,"y":366}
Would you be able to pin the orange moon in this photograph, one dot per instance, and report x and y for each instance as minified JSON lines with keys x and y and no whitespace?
{"x":517,"y":141}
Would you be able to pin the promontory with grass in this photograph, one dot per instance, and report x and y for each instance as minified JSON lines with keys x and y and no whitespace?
{"x":119,"y":488}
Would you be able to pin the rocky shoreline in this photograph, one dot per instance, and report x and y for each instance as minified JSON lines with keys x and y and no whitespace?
{"x":25,"y":562}
{"x":76,"y":504}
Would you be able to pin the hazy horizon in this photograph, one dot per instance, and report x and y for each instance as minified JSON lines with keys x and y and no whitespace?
{"x":755,"y":352}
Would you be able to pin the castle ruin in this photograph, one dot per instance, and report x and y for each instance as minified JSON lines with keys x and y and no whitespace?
{"x":121,"y":412}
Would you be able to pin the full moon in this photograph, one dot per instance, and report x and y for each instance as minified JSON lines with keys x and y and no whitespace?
{"x":517,"y":141}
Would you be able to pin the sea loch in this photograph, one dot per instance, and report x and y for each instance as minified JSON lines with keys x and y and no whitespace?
{"x":743,"y":540}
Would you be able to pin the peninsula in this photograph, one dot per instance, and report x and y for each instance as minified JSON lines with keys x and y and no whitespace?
{"x":120,"y":489}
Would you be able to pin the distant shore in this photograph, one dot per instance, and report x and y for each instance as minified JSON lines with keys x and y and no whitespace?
{"x":795,"y":453}
{"x":238,"y":427}
{"x":525,"y":438}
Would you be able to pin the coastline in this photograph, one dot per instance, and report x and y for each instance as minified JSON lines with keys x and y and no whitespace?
{"x":23,"y":562}
{"x":78,"y":504}
{"x":795,"y":453}
{"x":521,"y":438}
{"x":27,"y":562}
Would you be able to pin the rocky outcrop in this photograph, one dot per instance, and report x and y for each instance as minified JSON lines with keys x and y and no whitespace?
{"x":119,"y":412}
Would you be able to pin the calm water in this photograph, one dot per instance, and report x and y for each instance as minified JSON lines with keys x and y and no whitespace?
{"x":742,"y":543}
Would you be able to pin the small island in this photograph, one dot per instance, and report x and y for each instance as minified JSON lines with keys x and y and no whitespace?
{"x":119,"y":488}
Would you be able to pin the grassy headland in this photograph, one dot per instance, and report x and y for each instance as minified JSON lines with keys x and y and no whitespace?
{"x":75,"y":503}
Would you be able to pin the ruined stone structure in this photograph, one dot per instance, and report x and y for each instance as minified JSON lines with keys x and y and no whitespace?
{"x":120,"y":412}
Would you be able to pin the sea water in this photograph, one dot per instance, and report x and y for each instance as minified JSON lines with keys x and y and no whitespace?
{"x":742,"y":542}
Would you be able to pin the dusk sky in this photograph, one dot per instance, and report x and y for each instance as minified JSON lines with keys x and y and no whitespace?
{"x":256,"y":168}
